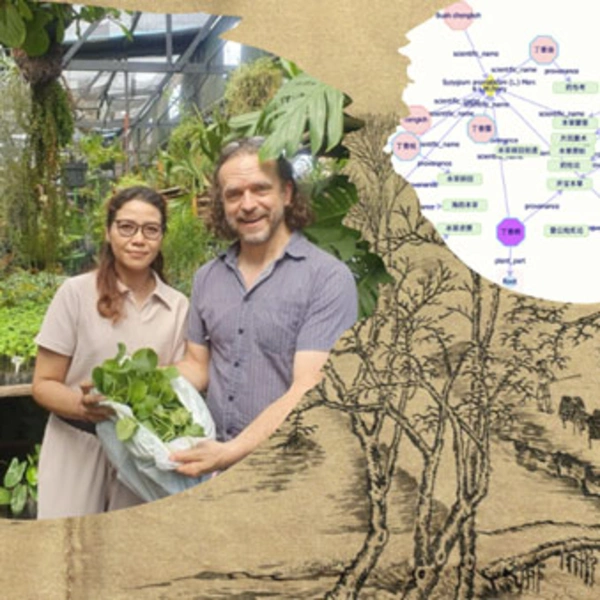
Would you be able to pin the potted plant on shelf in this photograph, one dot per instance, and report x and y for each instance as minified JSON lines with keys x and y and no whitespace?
{"x":18,"y":494}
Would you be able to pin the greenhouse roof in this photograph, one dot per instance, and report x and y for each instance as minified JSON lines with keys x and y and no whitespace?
{"x":116,"y":73}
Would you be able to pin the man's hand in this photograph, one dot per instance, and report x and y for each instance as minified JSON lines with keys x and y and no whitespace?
{"x":205,"y":457}
{"x":208,"y":456}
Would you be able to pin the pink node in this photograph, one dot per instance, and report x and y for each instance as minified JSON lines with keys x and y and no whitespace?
{"x":543,"y":50}
{"x":458,"y":16}
{"x":418,"y":121}
{"x":406,"y":146}
{"x":481,"y":129}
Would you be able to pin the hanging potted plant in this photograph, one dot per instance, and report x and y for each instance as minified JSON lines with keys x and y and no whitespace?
{"x":74,"y":173}
{"x":34,"y":32}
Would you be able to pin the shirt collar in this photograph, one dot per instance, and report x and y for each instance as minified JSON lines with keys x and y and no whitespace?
{"x":297,"y":247}
{"x":161,"y":291}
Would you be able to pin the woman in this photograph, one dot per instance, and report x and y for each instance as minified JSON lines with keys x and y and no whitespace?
{"x":124,"y":300}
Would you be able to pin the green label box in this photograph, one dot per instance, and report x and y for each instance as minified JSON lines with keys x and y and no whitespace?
{"x":460,"y":179}
{"x":459,"y":228}
{"x":575,"y":87}
{"x":570,"y":184}
{"x":570,"y":164}
{"x":564,"y":231}
{"x":575,"y":123}
{"x":465,"y":205}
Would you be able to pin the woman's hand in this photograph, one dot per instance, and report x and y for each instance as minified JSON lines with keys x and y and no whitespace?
{"x":90,"y":409}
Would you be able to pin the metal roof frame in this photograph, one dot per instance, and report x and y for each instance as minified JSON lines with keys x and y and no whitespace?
{"x":185,"y":51}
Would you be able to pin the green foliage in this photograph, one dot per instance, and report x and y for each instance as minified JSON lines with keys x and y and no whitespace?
{"x":98,"y":154}
{"x":331,"y":200}
{"x":24,"y":298}
{"x":20,"y":325}
{"x":34,"y":32}
{"x":20,"y":483}
{"x":193,"y":149}
{"x":51,"y":128}
{"x":138,"y":382}
{"x":252,"y":85}
{"x":305,"y":111}
{"x":32,"y":26}
{"x":33,"y":206}
{"x":52,"y":121}
{"x":187,"y":245}
{"x":14,"y":119}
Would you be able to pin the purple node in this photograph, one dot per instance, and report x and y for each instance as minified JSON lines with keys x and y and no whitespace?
{"x":510,"y":232}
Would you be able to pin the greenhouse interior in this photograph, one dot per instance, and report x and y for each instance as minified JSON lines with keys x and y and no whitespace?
{"x":95,"y":100}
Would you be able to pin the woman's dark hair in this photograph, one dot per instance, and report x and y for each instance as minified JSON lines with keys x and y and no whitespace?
{"x":110,"y":299}
{"x":297,"y":214}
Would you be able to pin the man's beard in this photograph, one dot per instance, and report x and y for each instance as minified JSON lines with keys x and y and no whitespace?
{"x":272,"y":224}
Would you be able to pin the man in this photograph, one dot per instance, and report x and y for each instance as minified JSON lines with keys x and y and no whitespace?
{"x":264,"y":314}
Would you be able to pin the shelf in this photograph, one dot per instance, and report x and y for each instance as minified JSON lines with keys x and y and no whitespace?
{"x":12,"y":391}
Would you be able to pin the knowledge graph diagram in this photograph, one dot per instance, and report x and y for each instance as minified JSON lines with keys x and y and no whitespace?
{"x":500,"y":143}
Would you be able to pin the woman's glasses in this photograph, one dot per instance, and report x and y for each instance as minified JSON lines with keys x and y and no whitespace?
{"x":151,"y":231}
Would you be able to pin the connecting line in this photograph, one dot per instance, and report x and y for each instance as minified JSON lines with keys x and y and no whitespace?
{"x":533,"y":103}
{"x":516,"y":71}
{"x":537,"y":210}
{"x":529,"y":125}
{"x":502,"y":177}
{"x":426,"y":156}
{"x":566,"y":76}
{"x":421,"y":156}
{"x":504,"y":190}
{"x":510,"y":256}
{"x":589,"y":174}
{"x":523,"y":64}
{"x":483,"y":72}
{"x":460,"y":103}
{"x":595,"y":192}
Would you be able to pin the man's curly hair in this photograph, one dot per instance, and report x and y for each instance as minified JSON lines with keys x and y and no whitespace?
{"x":297,"y":214}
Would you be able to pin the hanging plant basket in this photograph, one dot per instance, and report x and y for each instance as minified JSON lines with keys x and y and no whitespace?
{"x":40,"y":70}
{"x":74,"y":174}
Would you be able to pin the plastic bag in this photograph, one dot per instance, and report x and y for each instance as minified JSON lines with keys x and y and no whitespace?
{"x":142,"y":462}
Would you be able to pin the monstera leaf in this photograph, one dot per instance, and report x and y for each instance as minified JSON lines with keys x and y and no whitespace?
{"x":305,"y":112}
{"x":309,"y":114}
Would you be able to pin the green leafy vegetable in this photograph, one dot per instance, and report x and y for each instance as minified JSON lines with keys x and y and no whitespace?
{"x":141,"y":384}
{"x":20,"y":482}
{"x":126,"y":427}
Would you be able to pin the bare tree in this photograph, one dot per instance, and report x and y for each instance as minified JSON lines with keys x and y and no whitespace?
{"x":434,"y":369}
{"x":387,"y":212}
{"x":382,"y":386}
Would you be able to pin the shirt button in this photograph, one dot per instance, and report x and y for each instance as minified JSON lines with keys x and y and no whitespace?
{"x":236,"y":363}
{"x":240,"y":331}
{"x":230,"y":398}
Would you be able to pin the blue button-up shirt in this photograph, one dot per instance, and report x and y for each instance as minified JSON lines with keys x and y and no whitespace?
{"x":304,"y":300}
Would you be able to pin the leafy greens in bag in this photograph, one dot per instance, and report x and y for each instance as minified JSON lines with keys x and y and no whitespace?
{"x":145,"y":387}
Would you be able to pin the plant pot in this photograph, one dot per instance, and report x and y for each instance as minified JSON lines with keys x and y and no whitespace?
{"x":74,"y":174}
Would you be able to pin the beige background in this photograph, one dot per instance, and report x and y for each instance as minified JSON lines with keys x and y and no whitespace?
{"x":259,"y":530}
